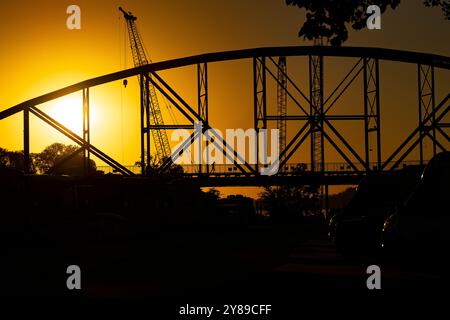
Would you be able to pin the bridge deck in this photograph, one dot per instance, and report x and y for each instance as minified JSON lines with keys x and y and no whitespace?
{"x":294,"y":173}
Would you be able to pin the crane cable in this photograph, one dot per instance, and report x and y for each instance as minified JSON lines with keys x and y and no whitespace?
{"x":170,"y":109}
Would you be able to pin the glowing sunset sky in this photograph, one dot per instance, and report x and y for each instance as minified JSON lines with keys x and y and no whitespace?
{"x":39,"y":54}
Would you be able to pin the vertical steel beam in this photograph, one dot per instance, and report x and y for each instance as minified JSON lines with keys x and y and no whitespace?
{"x":147,"y":120}
{"x":26,"y":140}
{"x":316,"y":84}
{"x":86,"y":132}
{"x":282,"y":104}
{"x":144,"y":80}
{"x":427,"y":102}
{"x":202,"y":86}
{"x":316,"y":112}
{"x":378,"y":111}
{"x":142,"y":127}
{"x":260,"y":100}
{"x":372,"y":116}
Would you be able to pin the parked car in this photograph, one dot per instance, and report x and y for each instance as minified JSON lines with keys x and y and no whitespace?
{"x":419,"y":230}
{"x":357,"y":228}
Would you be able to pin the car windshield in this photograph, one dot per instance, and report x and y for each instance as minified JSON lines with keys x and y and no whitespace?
{"x":432,"y":196}
{"x":379,"y":192}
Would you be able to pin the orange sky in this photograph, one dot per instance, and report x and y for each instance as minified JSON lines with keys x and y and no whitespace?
{"x":39,"y":54}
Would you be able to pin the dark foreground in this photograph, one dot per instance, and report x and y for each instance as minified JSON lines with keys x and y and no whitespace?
{"x":293,"y":268}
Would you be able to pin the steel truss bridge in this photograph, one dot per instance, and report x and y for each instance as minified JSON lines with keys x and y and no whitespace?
{"x":314,"y":124}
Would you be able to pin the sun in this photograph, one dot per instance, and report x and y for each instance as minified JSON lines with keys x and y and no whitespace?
{"x":68,"y":111}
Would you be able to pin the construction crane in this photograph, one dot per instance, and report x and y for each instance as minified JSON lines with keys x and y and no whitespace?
{"x":156,"y":120}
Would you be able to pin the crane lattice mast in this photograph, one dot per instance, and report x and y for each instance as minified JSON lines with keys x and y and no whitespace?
{"x":159,"y":135}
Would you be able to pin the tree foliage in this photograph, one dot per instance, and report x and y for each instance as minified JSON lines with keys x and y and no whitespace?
{"x":330,"y":19}
{"x":443,"y":4}
{"x":51,"y":155}
{"x":51,"y":159}
{"x":14,"y":160}
{"x":290,"y":202}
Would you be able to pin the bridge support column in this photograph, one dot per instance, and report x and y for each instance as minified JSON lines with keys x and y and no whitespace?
{"x":316,"y":118}
{"x":316,"y":112}
{"x":145,"y":128}
{"x":372,"y":112}
{"x":86,"y":132}
{"x":145,"y":123}
{"x":426,"y":107}
{"x":142,"y":129}
{"x":260,"y":101}
{"x":202,"y":86}
{"x":282,"y":105}
{"x":147,"y":120}
{"x":26,"y":140}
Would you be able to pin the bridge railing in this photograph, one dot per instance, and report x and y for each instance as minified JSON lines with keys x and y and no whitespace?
{"x":288,"y":169}
{"x":110,"y":170}
{"x":291,"y":168}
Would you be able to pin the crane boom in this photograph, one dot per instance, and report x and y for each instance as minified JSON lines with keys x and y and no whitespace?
{"x":159,"y":135}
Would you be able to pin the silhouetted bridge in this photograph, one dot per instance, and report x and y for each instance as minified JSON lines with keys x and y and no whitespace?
{"x":311,"y":123}
{"x":297,"y":173}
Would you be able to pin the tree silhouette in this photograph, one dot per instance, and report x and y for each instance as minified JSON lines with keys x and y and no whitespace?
{"x":14,"y":160}
{"x":57,"y":158}
{"x":50,"y":156}
{"x":330,"y":18}
{"x":3,"y":158}
{"x":51,"y":160}
{"x":290,"y":202}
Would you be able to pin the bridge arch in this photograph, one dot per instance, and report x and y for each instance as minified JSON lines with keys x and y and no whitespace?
{"x":430,"y":123}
